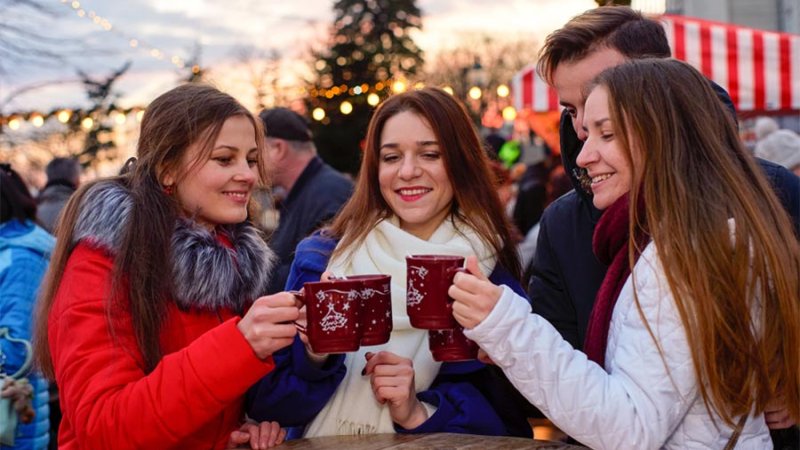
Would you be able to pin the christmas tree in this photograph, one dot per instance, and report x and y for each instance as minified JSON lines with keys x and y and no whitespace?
{"x":370,"y":50}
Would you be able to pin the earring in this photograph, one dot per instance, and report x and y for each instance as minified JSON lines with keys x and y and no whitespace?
{"x":169,"y":189}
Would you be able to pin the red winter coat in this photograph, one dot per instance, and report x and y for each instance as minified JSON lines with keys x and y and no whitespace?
{"x":194,"y":397}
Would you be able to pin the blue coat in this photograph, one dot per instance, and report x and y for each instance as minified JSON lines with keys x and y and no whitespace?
{"x":470,"y":397}
{"x":24,"y":254}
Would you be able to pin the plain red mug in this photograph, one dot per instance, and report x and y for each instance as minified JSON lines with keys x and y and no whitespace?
{"x":428,"y":277}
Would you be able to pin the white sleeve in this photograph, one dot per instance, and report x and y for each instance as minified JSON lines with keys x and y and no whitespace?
{"x":638,"y":403}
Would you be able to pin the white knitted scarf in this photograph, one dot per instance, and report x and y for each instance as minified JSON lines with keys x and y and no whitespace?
{"x":353,"y":409}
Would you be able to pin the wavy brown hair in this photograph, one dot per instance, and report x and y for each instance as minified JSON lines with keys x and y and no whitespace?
{"x":618,"y":27}
{"x":738,"y":295}
{"x":475,"y":198}
{"x":188,"y":114}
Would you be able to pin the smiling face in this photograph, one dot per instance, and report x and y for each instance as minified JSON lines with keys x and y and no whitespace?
{"x":570,"y":78}
{"x":602,"y":156}
{"x":412,"y":176}
{"x":216,"y":191}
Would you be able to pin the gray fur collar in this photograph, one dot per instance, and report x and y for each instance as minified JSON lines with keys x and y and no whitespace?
{"x":206,"y":274}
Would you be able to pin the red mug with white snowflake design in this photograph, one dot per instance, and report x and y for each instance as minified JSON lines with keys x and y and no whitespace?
{"x":428,"y":277}
{"x":376,"y":308}
{"x":333,"y":315}
{"x":451,"y":345}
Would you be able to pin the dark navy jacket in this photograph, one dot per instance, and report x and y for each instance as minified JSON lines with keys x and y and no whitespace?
{"x":314,"y":199}
{"x":470,"y":397}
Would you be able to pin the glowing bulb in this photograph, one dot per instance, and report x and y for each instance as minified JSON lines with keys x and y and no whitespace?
{"x":37,"y":120}
{"x":509,"y":113}
{"x":448,"y":89}
{"x":119,"y":118}
{"x":419,"y":85}
{"x":63,"y":116}
{"x":318,"y":114}
{"x":475,"y":93}
{"x":139,"y":115}
{"x":87,"y":123}
{"x":503,"y":91}
{"x":399,"y":87}
{"x":373,"y":99}
{"x":346,"y":107}
{"x":13,"y":123}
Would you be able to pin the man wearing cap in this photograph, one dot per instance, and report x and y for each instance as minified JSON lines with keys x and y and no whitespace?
{"x":314,"y":190}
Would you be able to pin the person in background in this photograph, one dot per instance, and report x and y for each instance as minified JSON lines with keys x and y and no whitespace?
{"x":314,"y":190}
{"x":776,"y":145}
{"x":140,"y":320}
{"x":63,"y":178}
{"x":24,"y":253}
{"x":696,"y":327}
{"x":426,"y":187}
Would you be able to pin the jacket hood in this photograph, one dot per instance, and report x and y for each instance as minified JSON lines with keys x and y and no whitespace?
{"x":27,"y":235}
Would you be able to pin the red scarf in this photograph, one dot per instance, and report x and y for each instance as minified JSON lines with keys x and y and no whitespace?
{"x":610,"y":245}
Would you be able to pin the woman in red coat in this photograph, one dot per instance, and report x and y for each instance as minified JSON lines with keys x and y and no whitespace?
{"x":140,"y":322}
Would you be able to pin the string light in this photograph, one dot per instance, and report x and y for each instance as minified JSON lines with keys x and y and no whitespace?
{"x":318,"y":114}
{"x":448,"y":89}
{"x":37,"y":120}
{"x":346,"y":107}
{"x":503,"y":91}
{"x":475,"y":93}
{"x":509,"y":113}
{"x":133,"y":42}
{"x":373,"y":99}
{"x":64,"y":115}
{"x":87,"y":123}
{"x":13,"y":123}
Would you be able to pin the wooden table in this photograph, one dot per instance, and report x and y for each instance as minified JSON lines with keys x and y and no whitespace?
{"x":449,"y":441}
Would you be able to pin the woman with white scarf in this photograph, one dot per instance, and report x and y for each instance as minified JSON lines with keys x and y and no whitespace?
{"x":425,"y":188}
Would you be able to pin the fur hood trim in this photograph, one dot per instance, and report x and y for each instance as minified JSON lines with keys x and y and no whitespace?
{"x":206,"y":273}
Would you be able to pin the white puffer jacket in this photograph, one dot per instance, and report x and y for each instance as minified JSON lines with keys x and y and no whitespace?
{"x":642,"y":402}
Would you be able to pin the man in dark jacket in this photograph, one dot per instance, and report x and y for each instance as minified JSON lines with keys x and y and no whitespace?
{"x":565,"y":275}
{"x":63,"y":178}
{"x":314,"y":191}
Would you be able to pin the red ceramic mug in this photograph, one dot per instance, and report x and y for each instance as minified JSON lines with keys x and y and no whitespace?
{"x":376,"y":308}
{"x":451,"y":345}
{"x":428,"y":277}
{"x":333,"y":315}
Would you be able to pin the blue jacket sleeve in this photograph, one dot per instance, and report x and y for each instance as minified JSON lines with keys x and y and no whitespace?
{"x":18,"y":287}
{"x":296,"y":390}
{"x":471,"y":397}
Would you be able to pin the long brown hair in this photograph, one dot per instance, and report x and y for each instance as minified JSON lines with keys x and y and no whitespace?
{"x":618,"y":27}
{"x":475,"y":194}
{"x":188,"y":114}
{"x":738,"y":297}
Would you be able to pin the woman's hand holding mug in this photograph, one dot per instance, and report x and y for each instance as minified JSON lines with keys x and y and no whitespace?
{"x":474,"y":295}
{"x":268,"y":324}
{"x":392,"y":379}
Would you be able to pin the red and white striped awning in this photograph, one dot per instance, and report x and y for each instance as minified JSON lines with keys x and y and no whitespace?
{"x":759,"y":69}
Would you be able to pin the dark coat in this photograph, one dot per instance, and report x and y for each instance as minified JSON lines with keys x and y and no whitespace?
{"x":315,"y":198}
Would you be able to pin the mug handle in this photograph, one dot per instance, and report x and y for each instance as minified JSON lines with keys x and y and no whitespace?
{"x":300,"y":297}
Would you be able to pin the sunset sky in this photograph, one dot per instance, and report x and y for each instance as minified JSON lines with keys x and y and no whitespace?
{"x":221,"y":27}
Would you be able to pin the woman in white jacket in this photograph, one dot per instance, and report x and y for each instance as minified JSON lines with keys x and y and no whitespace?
{"x":687,"y":349}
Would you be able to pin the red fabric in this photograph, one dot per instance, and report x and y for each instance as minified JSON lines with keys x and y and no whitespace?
{"x":610,"y":245}
{"x":194,"y":397}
